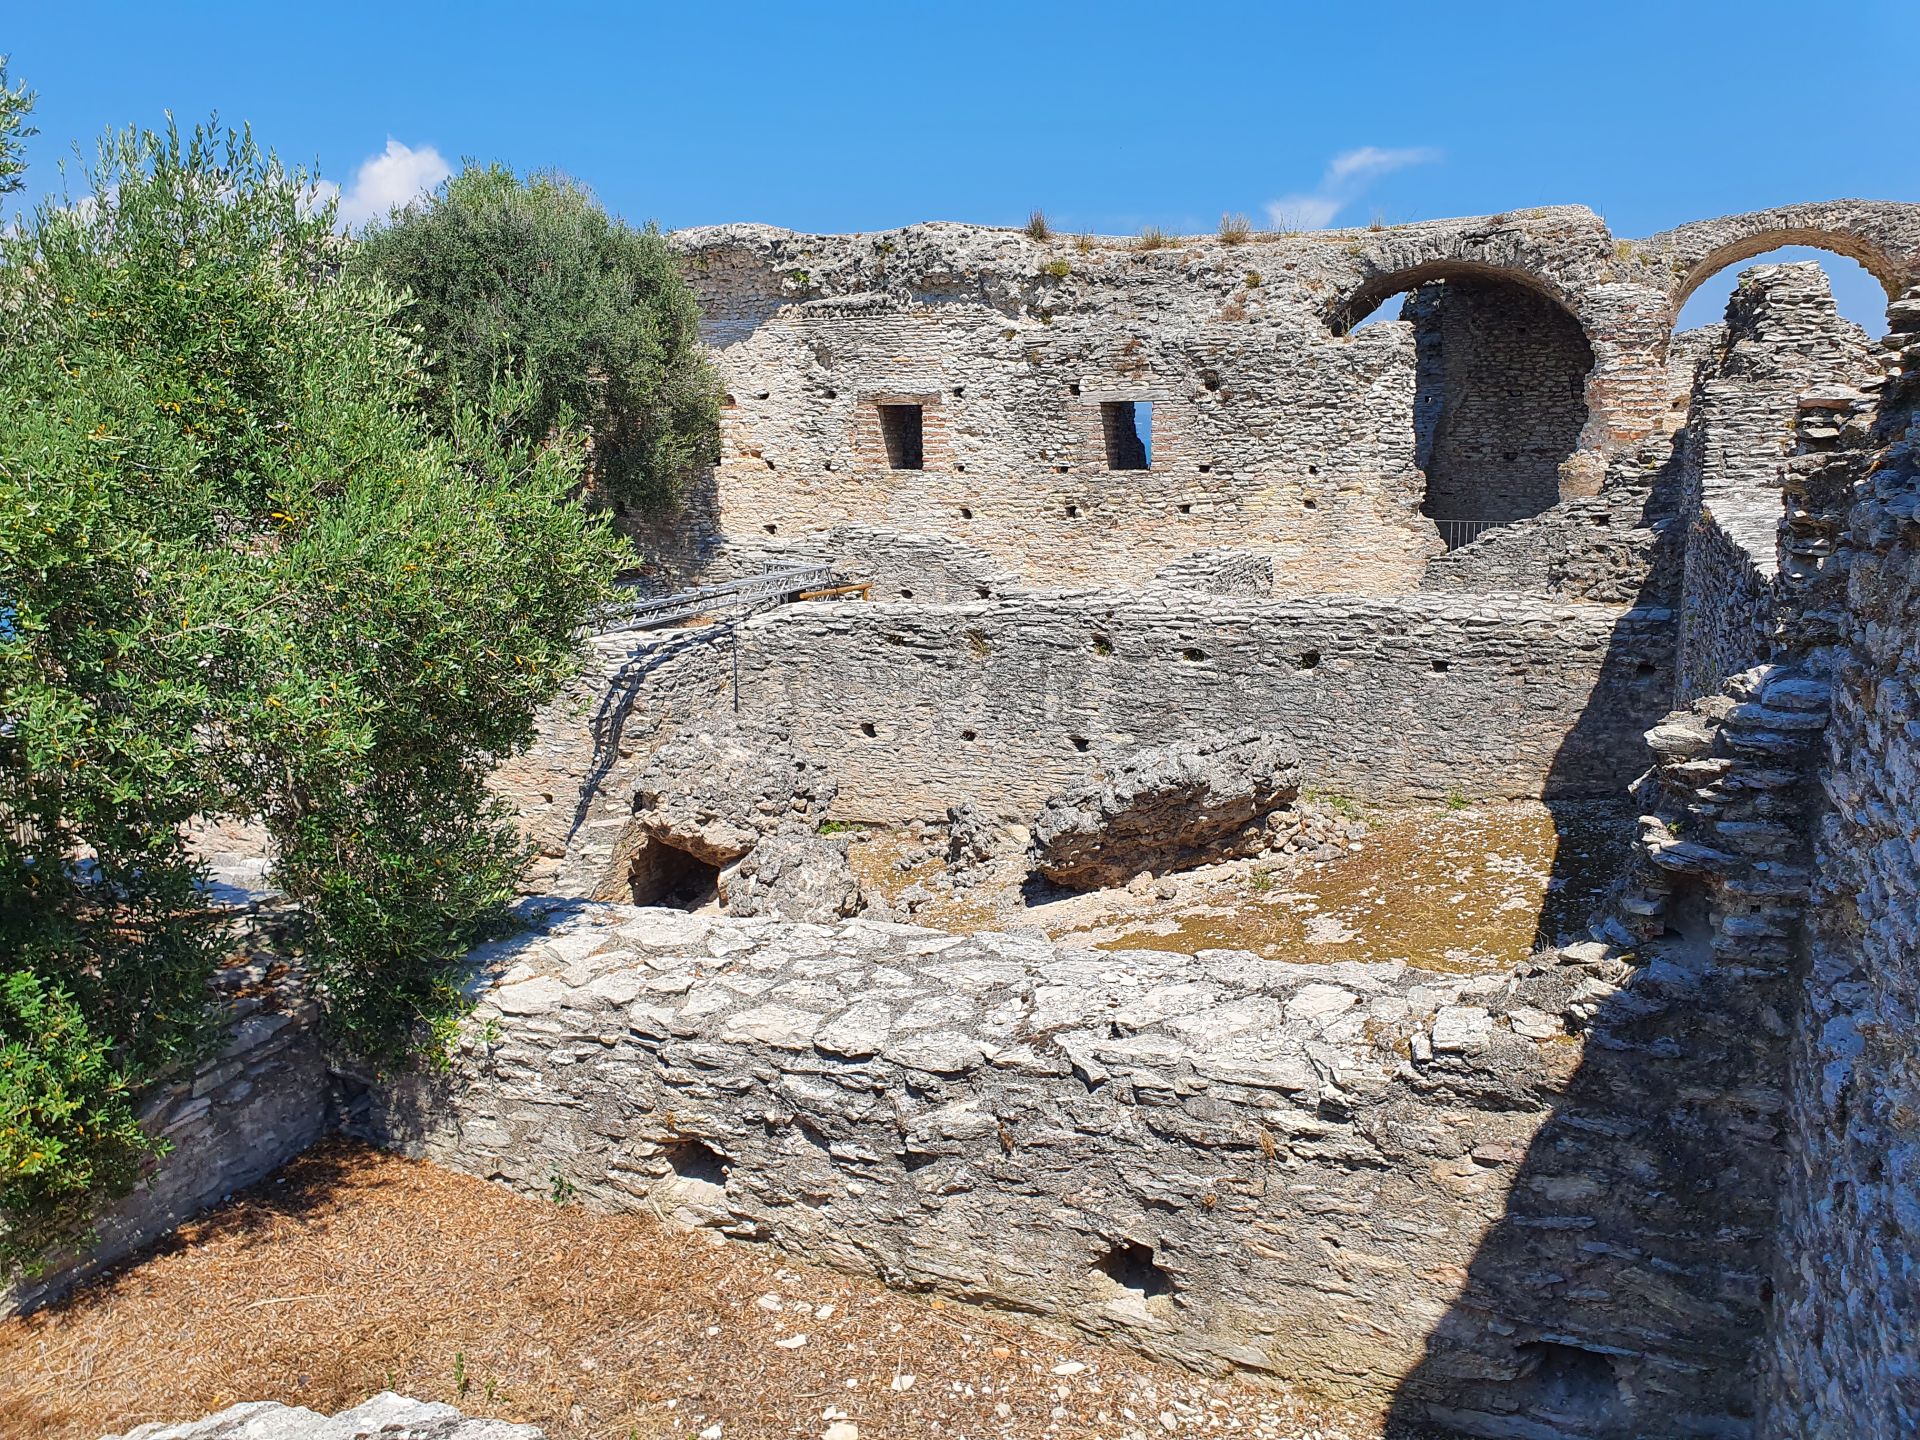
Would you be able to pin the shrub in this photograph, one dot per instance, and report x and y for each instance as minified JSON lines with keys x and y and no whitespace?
{"x":532,"y":279}
{"x":1037,"y":227}
{"x":1235,"y":229}
{"x":1152,"y":237}
{"x":243,"y":575}
{"x":68,"y":1132}
{"x":1057,"y":269}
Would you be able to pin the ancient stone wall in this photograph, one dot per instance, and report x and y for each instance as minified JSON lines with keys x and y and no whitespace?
{"x":245,"y":1112}
{"x":1372,"y":1181}
{"x":572,"y":790}
{"x":1275,"y":425}
{"x":1843,"y":1329}
{"x":1782,"y":338}
{"x":1004,"y":702}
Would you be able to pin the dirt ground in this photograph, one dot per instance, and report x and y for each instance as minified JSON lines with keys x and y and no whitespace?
{"x":1469,"y":887}
{"x":354,"y":1272}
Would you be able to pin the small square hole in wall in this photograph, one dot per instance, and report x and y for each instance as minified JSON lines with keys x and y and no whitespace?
{"x":901,"y":434}
{"x":1127,"y":428}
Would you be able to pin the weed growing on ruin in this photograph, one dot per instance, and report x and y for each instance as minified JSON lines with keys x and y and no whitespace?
{"x":1261,"y":882}
{"x":1251,"y":280}
{"x":1457,"y":801}
{"x":1083,"y":243}
{"x":842,"y":827}
{"x":460,"y":1373}
{"x":1037,"y":227}
{"x":560,"y":1189}
{"x":1235,"y":229}
{"x":1058,"y":269}
{"x":1152,"y":237}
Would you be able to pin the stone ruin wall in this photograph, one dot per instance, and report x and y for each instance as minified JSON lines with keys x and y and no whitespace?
{"x":1004,"y":702}
{"x":242,"y":1114}
{"x":1276,"y":426}
{"x":1379,"y":1183}
{"x":1782,"y":338}
{"x":1843,"y":1331}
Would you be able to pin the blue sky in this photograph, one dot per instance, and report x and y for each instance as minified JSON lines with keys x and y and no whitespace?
{"x":1109,"y":116}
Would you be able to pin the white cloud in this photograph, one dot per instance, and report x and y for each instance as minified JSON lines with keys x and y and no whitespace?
{"x":398,"y":175}
{"x":1346,"y":179}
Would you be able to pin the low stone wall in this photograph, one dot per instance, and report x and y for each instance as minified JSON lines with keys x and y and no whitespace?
{"x":237,"y":1118}
{"x":914,"y":709}
{"x":1372,"y":1181}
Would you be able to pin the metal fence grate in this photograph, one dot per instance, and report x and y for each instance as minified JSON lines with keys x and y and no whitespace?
{"x":1455,"y":533}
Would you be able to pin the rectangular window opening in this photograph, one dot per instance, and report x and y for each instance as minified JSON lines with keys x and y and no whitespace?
{"x":900,"y":432}
{"x":1127,"y":426}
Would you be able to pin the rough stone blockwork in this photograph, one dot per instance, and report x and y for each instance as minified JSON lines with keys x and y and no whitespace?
{"x":1846,"y":1335}
{"x":1003,"y":703}
{"x":1337,"y":1174}
{"x":1783,"y":338}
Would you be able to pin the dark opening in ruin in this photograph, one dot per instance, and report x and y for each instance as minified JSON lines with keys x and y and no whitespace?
{"x":1565,"y":1380}
{"x":1440,"y":666}
{"x":867,"y":729}
{"x":1081,"y":743}
{"x":900,"y":432}
{"x":1309,"y":661}
{"x":1130,"y":1265}
{"x":662,"y":875}
{"x":1193,"y":656}
{"x":696,"y":1160}
{"x":1127,"y":428}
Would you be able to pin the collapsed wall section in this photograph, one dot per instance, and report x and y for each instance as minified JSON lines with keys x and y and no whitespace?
{"x":1003,"y":703}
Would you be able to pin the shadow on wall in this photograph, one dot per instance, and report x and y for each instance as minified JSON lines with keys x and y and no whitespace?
{"x":1622,"y":1290}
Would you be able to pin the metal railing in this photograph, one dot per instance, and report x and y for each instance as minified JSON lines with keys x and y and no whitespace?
{"x":654,"y":611}
{"x":1456,"y":533}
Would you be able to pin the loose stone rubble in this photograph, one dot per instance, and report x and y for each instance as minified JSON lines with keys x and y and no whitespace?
{"x":1165,"y":807}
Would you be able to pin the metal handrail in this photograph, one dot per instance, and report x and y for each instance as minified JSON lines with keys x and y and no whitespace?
{"x":652,"y":612}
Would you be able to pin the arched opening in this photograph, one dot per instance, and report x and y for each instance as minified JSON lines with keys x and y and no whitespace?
{"x":1500,"y":391}
{"x":1858,"y":294}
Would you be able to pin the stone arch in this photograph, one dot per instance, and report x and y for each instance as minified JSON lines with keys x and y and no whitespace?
{"x":1376,"y":289}
{"x":1882,"y":236}
{"x":1503,"y":367}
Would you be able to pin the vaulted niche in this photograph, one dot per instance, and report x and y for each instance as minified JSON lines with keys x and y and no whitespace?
{"x":1499,"y":399}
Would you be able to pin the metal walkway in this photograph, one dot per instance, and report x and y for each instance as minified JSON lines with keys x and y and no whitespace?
{"x":737,"y":596}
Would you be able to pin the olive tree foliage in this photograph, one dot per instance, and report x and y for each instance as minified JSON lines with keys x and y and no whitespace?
{"x":16,"y":103}
{"x":240,"y":574}
{"x":532,"y":278}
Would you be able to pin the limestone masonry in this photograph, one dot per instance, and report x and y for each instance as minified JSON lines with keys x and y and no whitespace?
{"x":1140,"y":555}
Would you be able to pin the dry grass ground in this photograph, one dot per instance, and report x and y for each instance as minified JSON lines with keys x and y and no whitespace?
{"x":354,"y":1272}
